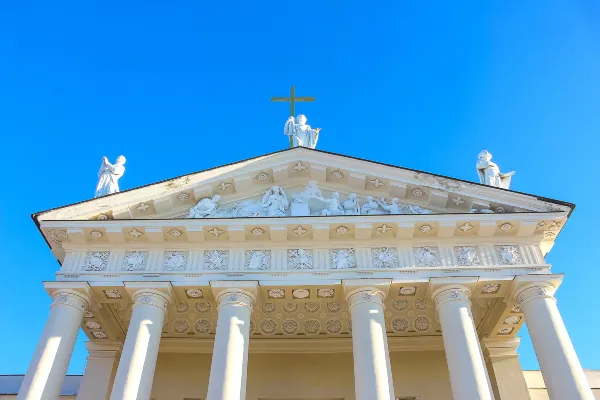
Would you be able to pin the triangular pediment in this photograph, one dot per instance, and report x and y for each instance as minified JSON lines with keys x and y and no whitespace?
{"x":246,"y":183}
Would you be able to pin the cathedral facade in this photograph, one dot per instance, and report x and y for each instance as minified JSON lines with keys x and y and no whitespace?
{"x":306,"y":275}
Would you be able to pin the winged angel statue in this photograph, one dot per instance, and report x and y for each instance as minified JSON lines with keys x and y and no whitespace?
{"x":300,"y":132}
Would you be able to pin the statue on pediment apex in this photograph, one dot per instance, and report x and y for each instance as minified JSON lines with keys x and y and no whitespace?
{"x":109,"y":175}
{"x":489,"y":173}
{"x":301,"y":133}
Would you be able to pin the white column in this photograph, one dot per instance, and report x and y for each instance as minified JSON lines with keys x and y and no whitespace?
{"x":138,"y":359}
{"x":560,"y":366}
{"x":468,"y":375}
{"x":230,"y":355}
{"x":100,"y":370}
{"x":372,"y":370}
{"x":48,"y":367}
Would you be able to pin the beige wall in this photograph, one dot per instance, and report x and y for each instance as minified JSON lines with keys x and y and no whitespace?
{"x":299,"y":376}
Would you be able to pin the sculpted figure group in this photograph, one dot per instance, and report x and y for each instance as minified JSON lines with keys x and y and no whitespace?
{"x":275,"y":203}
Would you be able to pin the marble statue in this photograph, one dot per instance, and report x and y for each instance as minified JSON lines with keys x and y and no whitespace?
{"x":392,"y":208}
{"x":302,"y":134}
{"x":370,"y":207}
{"x":275,"y":202}
{"x":312,"y":191}
{"x":205,"y":207}
{"x":351,"y":206}
{"x":109,"y":175}
{"x":332,"y":205}
{"x":489,"y":173}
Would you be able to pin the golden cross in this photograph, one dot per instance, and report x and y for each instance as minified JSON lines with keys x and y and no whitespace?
{"x":292,"y":99}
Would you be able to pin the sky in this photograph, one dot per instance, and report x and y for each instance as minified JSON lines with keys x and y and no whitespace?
{"x":178,"y":87}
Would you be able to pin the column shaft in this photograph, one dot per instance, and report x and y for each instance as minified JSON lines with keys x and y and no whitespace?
{"x":372,"y":369}
{"x":560,"y":366}
{"x":140,"y":351}
{"x":468,"y":375}
{"x":48,"y":367}
{"x":230,"y":355}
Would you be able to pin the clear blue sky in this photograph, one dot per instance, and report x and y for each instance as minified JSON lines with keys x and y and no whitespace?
{"x":182,"y":86}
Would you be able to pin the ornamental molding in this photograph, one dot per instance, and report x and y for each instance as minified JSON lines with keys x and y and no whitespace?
{"x":451,"y":294}
{"x":236,"y":298}
{"x":369,"y":294}
{"x":151,"y":298}
{"x":534,"y":292}
{"x":70,"y":298}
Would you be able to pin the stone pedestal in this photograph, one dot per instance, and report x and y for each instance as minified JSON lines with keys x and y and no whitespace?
{"x":299,"y":210}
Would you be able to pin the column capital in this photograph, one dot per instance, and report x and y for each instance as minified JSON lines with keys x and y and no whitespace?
{"x":71,"y":298}
{"x":522,"y":284}
{"x":235,"y":293}
{"x":359,"y":291}
{"x":74,"y":294}
{"x":106,"y":350}
{"x":151,"y":297}
{"x":500,"y":348}
{"x":449,"y":293}
{"x":534,"y":291}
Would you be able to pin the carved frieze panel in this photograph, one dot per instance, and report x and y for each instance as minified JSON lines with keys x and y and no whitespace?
{"x":96,"y":261}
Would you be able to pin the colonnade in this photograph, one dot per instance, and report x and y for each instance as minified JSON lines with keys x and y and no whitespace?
{"x":469,"y":378}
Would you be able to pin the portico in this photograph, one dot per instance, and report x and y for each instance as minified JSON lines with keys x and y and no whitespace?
{"x":187,"y":295}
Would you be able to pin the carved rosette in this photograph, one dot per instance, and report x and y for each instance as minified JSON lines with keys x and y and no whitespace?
{"x":451,"y":294}
{"x":235,"y":298}
{"x":366,"y":295}
{"x":151,"y":298}
{"x":535,"y":292}
{"x":70,"y":298}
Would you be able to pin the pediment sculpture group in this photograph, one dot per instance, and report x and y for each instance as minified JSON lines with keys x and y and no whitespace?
{"x":275,"y":203}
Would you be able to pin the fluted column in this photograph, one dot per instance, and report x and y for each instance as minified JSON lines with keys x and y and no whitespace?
{"x":135,"y":373}
{"x":560,"y":366}
{"x":48,"y":367}
{"x":468,"y":375}
{"x":372,"y":369}
{"x":230,"y":355}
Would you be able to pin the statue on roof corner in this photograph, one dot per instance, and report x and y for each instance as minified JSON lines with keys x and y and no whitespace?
{"x":301,"y":133}
{"x":489,"y":173}
{"x":109,"y":175}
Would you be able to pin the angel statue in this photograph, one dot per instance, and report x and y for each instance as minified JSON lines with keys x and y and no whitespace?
{"x":275,"y":202}
{"x":489,"y":173}
{"x":109,"y":175}
{"x":205,"y":207}
{"x":300,"y":132}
